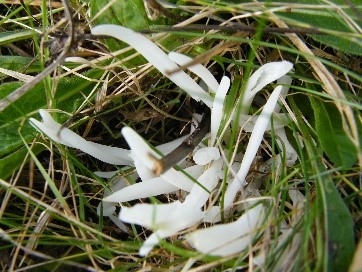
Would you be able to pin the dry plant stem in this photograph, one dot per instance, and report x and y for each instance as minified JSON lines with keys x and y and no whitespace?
{"x":236,"y":28}
{"x":158,"y":36}
{"x":154,"y":9}
{"x":5,"y":102}
{"x":7,"y":237}
{"x":329,"y":84}
{"x":241,"y":31}
{"x":42,"y":222}
{"x":71,"y":219}
{"x":52,"y":4}
{"x":186,"y":147}
{"x":209,"y":266}
{"x":210,"y":53}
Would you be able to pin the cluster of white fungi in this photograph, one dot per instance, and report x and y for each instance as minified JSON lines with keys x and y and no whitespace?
{"x":199,"y":184}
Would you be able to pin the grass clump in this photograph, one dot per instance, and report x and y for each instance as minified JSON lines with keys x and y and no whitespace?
{"x":49,"y":193}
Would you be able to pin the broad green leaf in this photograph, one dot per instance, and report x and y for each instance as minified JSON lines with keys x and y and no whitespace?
{"x":17,"y":114}
{"x":328,"y":19}
{"x":331,"y":135}
{"x":338,"y":219}
{"x":339,"y":42}
{"x":10,"y":140}
{"x":19,"y":64}
{"x":127,"y":13}
{"x":12,"y":161}
{"x":336,"y":228}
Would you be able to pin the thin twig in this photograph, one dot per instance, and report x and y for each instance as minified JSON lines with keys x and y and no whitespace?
{"x":240,"y":30}
{"x":189,"y":144}
{"x":237,"y":28}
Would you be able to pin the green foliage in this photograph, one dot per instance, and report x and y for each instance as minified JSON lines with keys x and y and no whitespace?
{"x":331,"y":134}
{"x":130,"y":14}
{"x":19,"y":64}
{"x":14,"y":36}
{"x":326,"y":226}
{"x":335,"y":226}
{"x":339,"y":224}
{"x":15,"y":116}
{"x":340,"y":33}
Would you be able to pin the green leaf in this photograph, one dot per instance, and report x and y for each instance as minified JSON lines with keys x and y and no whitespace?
{"x":128,"y":13}
{"x":10,"y":140}
{"x":330,"y":20}
{"x":14,"y":36}
{"x":336,"y":229}
{"x":12,"y":161}
{"x":334,"y":140}
{"x":339,"y":224}
{"x":17,"y":114}
{"x":342,"y":43}
{"x":19,"y":64}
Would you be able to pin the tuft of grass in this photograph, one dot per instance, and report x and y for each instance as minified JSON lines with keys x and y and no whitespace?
{"x":49,"y":194}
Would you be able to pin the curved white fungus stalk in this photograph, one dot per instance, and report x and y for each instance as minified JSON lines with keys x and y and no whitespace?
{"x":254,"y":143}
{"x":156,"y":57}
{"x":164,"y":219}
{"x":206,"y":182}
{"x":144,"y":161}
{"x":148,"y":188}
{"x":228,"y":239}
{"x":157,"y":186}
{"x":262,"y":77}
{"x":65,"y":136}
{"x":198,"y":69}
{"x":139,"y":147}
{"x":217,"y":111}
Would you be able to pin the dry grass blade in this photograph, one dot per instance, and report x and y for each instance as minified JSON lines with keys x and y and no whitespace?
{"x":52,"y":4}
